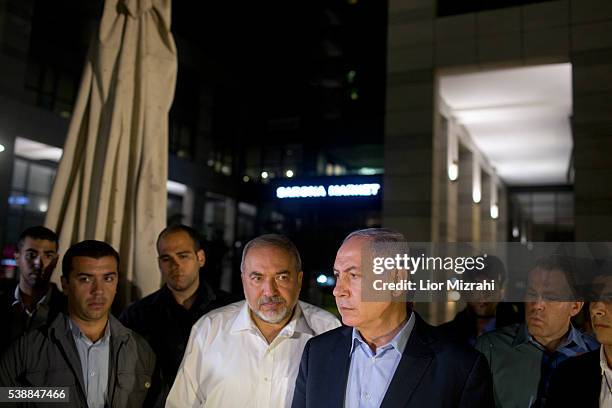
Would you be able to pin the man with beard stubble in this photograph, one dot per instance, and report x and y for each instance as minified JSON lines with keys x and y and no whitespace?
{"x":34,"y":301}
{"x":165,"y":317}
{"x":102,"y":363}
{"x":248,"y":353}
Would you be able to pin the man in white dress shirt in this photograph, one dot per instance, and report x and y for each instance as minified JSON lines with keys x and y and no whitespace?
{"x":247,"y":354}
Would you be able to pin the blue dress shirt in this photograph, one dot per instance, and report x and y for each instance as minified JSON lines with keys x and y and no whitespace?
{"x":370,"y":373}
{"x":95,"y":358}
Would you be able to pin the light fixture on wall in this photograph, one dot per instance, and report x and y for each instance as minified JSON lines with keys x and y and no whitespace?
{"x":1,"y":148}
{"x":476,"y":181}
{"x":452,"y":151}
{"x":494,"y":205}
{"x":494,"y":211}
{"x":453,"y":171}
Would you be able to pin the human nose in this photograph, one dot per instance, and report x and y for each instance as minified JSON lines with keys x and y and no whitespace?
{"x":96,"y":286}
{"x":37,"y":261}
{"x":340,"y":289}
{"x":269,"y":287}
{"x":539,"y":304}
{"x":598,"y":309}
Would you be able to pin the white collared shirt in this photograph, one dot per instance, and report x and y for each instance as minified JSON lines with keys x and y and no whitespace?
{"x":229,"y":363}
{"x":605,"y":396}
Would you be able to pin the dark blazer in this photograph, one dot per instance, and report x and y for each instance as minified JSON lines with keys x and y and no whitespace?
{"x":576,"y":382}
{"x":433,"y":372}
{"x":48,"y":357}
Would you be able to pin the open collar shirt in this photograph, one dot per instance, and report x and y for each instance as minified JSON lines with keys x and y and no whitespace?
{"x":371,"y":372}
{"x":229,"y":363}
{"x":95,"y":358}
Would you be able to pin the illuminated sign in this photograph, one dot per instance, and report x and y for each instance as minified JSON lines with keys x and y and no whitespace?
{"x":18,"y":200}
{"x":334,"y":190}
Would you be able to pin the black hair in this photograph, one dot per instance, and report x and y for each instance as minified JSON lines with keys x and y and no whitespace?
{"x":37,"y":232}
{"x":90,"y":249}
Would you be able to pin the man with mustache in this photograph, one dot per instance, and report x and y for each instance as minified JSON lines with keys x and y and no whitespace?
{"x":165,"y":317}
{"x":586,"y":380}
{"x":248,"y":353}
{"x":387,"y":356}
{"x":86,"y":349}
{"x":35,"y":301}
{"x":524,"y":356}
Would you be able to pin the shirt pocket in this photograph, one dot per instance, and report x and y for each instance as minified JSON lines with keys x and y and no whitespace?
{"x":134,"y":382}
{"x":131,"y":390}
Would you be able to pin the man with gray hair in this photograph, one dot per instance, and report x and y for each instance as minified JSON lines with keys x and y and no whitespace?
{"x":248,"y":353}
{"x":387,"y":356}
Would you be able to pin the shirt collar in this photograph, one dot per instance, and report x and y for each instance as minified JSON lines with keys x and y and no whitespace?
{"x":603,"y":362}
{"x":573,"y":336}
{"x":398,"y":342}
{"x":43,"y":300}
{"x":298,"y":323}
{"x":78,"y":334}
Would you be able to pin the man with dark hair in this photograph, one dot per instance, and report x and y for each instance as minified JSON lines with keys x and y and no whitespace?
{"x":523,"y":357}
{"x":166,"y":316}
{"x":387,"y":356}
{"x":34,"y":301}
{"x":86,"y":349}
{"x":482,"y":315}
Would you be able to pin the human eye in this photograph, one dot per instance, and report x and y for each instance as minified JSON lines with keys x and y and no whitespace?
{"x":283,"y":277}
{"x":109,"y":278}
{"x":85,"y":279}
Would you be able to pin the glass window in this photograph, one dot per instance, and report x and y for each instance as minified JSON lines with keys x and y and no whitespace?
{"x":40,"y":179}
{"x":20,"y":169}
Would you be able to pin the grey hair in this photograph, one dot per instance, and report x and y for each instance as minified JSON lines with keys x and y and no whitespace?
{"x":377,"y":235}
{"x":276,"y":241}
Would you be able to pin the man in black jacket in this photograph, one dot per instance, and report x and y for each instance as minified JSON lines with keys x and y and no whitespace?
{"x":87,"y":350}
{"x":34,"y":301}
{"x":388,"y":356}
{"x":165,"y":317}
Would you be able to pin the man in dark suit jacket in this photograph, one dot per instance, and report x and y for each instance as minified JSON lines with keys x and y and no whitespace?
{"x":586,"y":380}
{"x":388,"y":356}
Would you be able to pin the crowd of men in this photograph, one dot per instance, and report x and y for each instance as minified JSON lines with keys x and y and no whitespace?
{"x":191,"y":345}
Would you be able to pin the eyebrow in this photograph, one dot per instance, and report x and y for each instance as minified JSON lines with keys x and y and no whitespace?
{"x":178,"y":253}
{"x":90,"y":275}
{"x":350,"y":268}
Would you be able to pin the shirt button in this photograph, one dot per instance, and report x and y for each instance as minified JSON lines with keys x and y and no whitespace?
{"x":266,"y":379}
{"x":92,"y":374}
{"x":367,"y":395}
